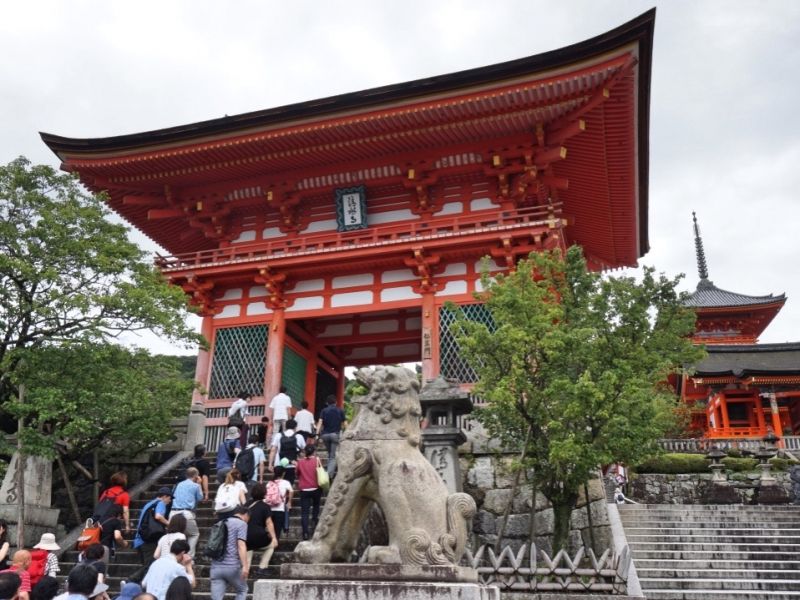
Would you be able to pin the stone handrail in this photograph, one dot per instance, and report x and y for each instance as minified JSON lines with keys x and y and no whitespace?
{"x":703,"y":445}
{"x":68,"y":541}
{"x":583,"y":572}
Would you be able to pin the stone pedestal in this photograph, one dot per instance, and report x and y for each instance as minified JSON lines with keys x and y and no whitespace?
{"x":374,"y":582}
{"x":442,"y":402}
{"x":195,"y":428}
{"x":40,"y":517}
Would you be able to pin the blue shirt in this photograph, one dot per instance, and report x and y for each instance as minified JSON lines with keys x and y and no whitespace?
{"x":161,"y":573}
{"x":186,"y":495}
{"x":161,"y":509}
{"x":223,"y":460}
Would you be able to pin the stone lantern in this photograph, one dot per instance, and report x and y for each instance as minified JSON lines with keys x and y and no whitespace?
{"x":766,"y":451}
{"x":715,"y":455}
{"x":442,"y":402}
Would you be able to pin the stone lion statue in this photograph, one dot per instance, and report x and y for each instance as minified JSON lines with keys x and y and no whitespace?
{"x":379,"y":460}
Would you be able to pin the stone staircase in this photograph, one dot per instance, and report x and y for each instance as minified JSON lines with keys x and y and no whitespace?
{"x":127,"y":562}
{"x":694,"y":552}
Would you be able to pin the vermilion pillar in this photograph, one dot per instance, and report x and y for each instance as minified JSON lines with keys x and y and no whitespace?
{"x":274,"y":367}
{"x":430,"y":337}
{"x":311,"y":379}
{"x":201,"y":371}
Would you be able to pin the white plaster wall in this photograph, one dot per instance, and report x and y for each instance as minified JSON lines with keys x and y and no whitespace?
{"x":364,"y":352}
{"x":451,"y":208}
{"x":481,"y":204}
{"x":454,"y":287}
{"x":401,"y":350}
{"x":232,"y":310}
{"x":351,"y":299}
{"x":309,"y":303}
{"x":337,"y":329}
{"x":258,"y":308}
{"x":390,"y":216}
{"x":326,"y":225}
{"x":398,"y":293}
{"x":413,"y":323}
{"x":245,"y":236}
{"x":379,"y":326}
{"x":271,"y":232}
{"x":398,"y":275}
{"x":308,"y":285}
{"x":455,"y":269}
{"x":346,"y":281}
{"x":257,"y":291}
{"x":232,"y":294}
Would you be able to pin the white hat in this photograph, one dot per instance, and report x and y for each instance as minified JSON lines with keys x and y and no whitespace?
{"x":48,"y":542}
{"x":233,"y":433}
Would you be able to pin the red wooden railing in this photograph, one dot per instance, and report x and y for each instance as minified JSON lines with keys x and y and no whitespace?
{"x":400,"y":233}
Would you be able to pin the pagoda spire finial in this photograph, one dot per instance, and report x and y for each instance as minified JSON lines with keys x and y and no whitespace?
{"x":702,"y":267}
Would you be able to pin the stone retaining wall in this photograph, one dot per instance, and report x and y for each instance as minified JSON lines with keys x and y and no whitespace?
{"x":487,"y":478}
{"x":694,"y":488}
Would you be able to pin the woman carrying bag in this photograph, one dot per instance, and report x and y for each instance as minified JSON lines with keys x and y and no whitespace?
{"x":310,"y":490}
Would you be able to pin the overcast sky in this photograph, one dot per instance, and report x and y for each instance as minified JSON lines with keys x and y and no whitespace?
{"x":724,"y":137}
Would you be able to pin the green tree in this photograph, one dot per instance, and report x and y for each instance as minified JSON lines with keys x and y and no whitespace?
{"x":86,"y":396}
{"x":68,"y":274}
{"x":574,"y":369}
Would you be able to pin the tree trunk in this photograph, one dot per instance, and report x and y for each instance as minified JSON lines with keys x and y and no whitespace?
{"x":22,"y":464}
{"x":589,"y":514}
{"x":562,"y":511}
{"x":70,"y":492}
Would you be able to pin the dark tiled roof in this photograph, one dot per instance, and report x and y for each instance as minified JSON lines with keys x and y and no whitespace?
{"x":750,"y":359}
{"x":707,"y":295}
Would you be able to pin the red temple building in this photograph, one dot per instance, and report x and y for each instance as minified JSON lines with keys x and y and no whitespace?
{"x":742,"y":389}
{"x":329,"y":234}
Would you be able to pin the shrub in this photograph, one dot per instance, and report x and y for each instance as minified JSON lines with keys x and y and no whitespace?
{"x":739,"y":465}
{"x":673,"y":464}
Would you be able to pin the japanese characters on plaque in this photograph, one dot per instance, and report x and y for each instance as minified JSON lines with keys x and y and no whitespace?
{"x":351,"y":208}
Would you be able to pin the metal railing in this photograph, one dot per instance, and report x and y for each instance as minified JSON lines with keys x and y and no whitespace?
{"x":583,"y":572}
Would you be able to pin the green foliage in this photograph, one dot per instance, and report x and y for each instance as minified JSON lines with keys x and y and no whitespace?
{"x":70,"y":274}
{"x":674,"y":464}
{"x":577,"y":365}
{"x":739,"y":465}
{"x":88,"y":395}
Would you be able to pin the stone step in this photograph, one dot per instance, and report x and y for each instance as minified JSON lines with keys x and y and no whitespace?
{"x":721,"y":565}
{"x":777,"y":585}
{"x":708,"y":508}
{"x":720,"y":547}
{"x":713,"y":531}
{"x":717,"y":538}
{"x":715,"y":554}
{"x":714,"y":573}
{"x":707,"y":528}
{"x":700,"y":520}
{"x":704,"y":594}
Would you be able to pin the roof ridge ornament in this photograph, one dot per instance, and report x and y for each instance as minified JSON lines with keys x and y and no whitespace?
{"x":702,"y":266}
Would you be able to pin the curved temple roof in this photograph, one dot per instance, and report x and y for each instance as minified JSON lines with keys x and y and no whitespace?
{"x":604,"y":80}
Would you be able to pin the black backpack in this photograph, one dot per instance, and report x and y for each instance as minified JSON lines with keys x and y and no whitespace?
{"x":246,"y":463}
{"x":186,"y":463}
{"x":217,"y":540}
{"x":103,"y":508}
{"x":151,"y":529}
{"x":288,"y":446}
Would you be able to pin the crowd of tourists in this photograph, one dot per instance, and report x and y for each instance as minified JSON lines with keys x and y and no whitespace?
{"x":259,"y":474}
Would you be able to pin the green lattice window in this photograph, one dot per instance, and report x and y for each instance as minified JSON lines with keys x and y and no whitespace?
{"x":451,"y":364}
{"x":294,"y":375}
{"x":239,"y":361}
